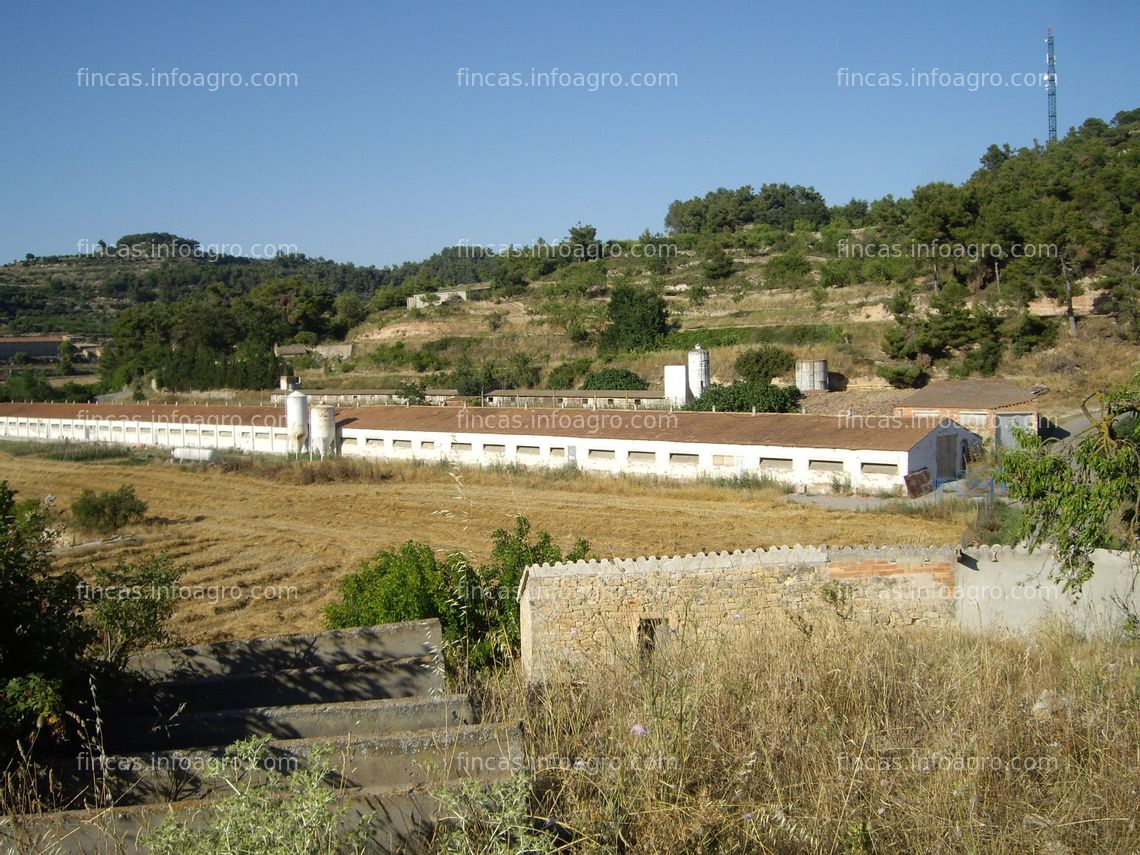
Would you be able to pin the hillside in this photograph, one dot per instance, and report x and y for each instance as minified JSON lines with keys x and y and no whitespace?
{"x":955,"y":280}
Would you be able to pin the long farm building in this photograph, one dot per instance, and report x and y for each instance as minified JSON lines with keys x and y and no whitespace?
{"x":805,"y":451}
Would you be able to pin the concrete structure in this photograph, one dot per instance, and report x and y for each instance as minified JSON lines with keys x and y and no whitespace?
{"x":324,"y":351}
{"x":623,"y":399}
{"x":297,"y":420}
{"x":286,"y":350}
{"x":322,"y":430}
{"x":377,"y":695}
{"x":700,"y":372}
{"x":609,"y":612}
{"x":249,"y":429}
{"x":436,"y":298}
{"x":989,"y":408}
{"x":811,"y":375}
{"x":677,"y":385}
{"x":808,"y":452}
{"x":333,"y":351}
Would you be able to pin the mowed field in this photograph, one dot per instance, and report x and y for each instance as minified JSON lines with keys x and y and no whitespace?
{"x":247,"y":533}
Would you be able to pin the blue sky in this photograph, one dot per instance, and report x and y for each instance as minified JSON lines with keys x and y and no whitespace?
{"x":379,"y":155}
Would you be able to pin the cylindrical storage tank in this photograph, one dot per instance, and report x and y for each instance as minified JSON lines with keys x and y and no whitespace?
{"x":677,"y":384}
{"x":297,"y":420}
{"x":195,"y":455}
{"x":811,"y":375}
{"x":322,"y":429}
{"x":700,"y":371}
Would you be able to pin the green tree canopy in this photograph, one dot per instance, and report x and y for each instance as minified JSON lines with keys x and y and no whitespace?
{"x":1083,"y":494}
{"x":638,"y":319}
{"x":744,"y":396}
{"x":615,"y":378}
{"x":764,"y":363}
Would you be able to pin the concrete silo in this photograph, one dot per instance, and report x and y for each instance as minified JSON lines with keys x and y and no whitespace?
{"x":700,"y":371}
{"x":322,"y":430}
{"x":297,"y":420}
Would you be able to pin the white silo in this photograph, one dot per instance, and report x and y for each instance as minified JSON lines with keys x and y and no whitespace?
{"x":677,"y":385}
{"x":700,"y":371}
{"x":811,"y":375}
{"x":297,"y":420}
{"x":322,"y":429}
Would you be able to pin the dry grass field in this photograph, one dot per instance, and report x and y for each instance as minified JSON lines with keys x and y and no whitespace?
{"x":246,"y":530}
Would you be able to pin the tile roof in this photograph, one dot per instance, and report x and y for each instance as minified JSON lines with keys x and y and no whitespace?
{"x":878,"y":433}
{"x":169,"y":413}
{"x":859,"y":402}
{"x":977,"y":394}
{"x":781,"y":429}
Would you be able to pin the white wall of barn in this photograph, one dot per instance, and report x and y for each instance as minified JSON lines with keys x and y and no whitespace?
{"x":864,"y":469}
{"x":861,"y":469}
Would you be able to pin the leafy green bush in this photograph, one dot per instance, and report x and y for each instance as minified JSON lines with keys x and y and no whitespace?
{"x":397,"y":585}
{"x":51,"y":644}
{"x":476,"y":606}
{"x":108,"y":511}
{"x":743,"y":396}
{"x":282,"y":814}
{"x":132,"y":604}
{"x":790,"y":268}
{"x":907,"y":376}
{"x":42,"y":637}
{"x":764,"y":363}
{"x":615,"y":378}
{"x":565,"y":375}
{"x":1031,"y":332}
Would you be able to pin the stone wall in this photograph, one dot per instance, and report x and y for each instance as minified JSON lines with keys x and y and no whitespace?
{"x":577,"y":613}
{"x":607,"y":612}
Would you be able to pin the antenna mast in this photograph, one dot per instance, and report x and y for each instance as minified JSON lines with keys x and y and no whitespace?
{"x":1051,"y":85}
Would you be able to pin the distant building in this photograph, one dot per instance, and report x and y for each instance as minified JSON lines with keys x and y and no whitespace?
{"x":287,"y":350}
{"x":805,"y":452}
{"x":32,"y":346}
{"x":989,"y":408}
{"x":366,"y":397}
{"x":436,"y":298}
{"x":324,"y":351}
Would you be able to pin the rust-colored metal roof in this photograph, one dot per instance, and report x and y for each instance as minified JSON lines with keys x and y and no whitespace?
{"x":169,"y":413}
{"x":878,"y":433}
{"x":787,"y":429}
{"x":970,"y":394}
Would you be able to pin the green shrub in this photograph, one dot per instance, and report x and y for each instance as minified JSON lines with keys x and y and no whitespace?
{"x":476,"y":606}
{"x":764,"y":363}
{"x":282,"y":814}
{"x":108,"y":511}
{"x":132,"y":604}
{"x":397,"y":585}
{"x":566,"y":374}
{"x":1031,"y":333}
{"x":615,"y":378}
{"x":743,"y":396}
{"x":902,"y":376}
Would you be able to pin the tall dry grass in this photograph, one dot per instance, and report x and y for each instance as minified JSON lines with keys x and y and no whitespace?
{"x":828,"y":736}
